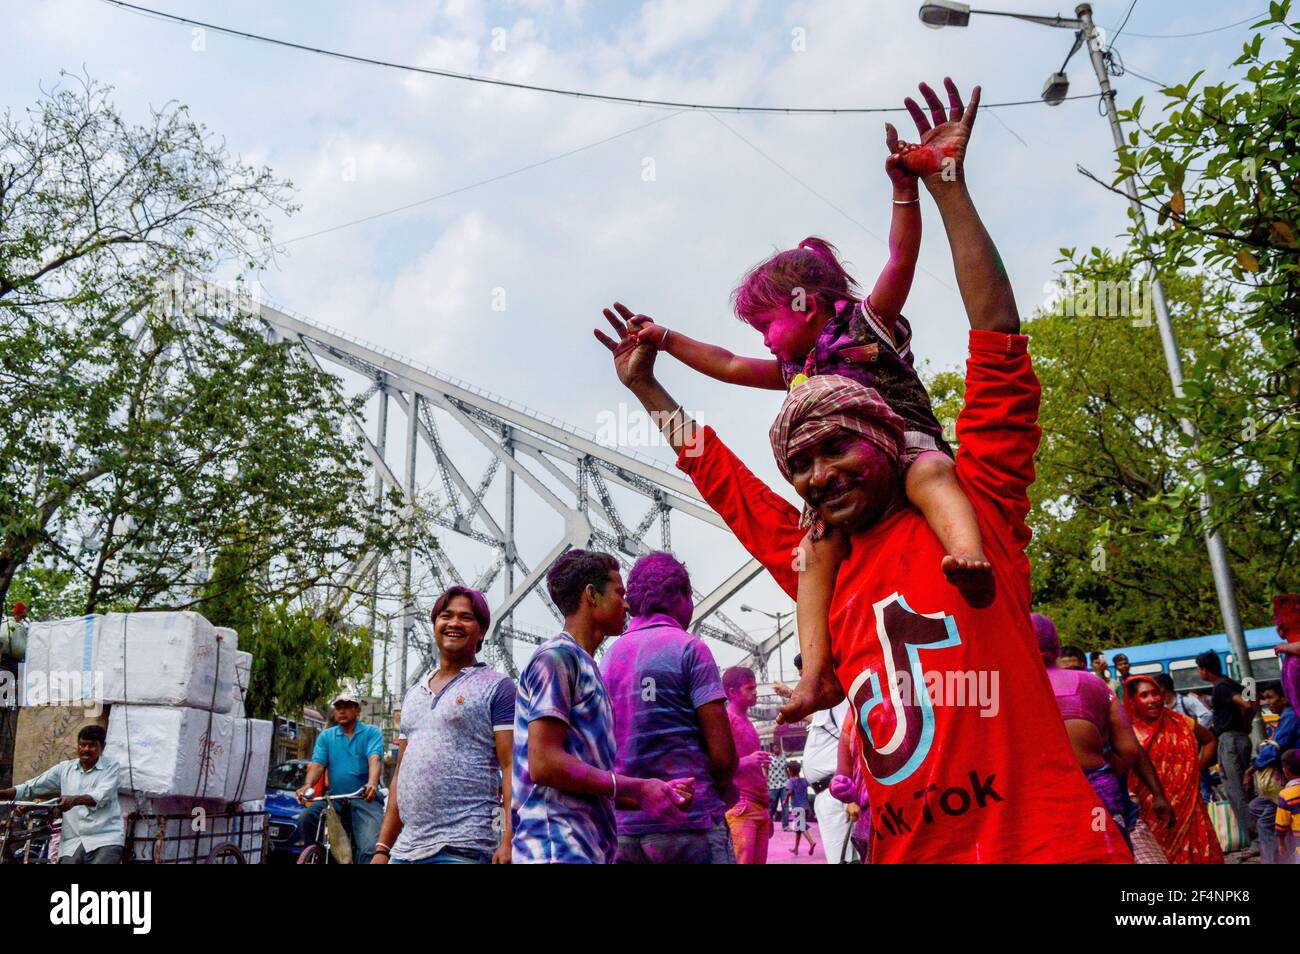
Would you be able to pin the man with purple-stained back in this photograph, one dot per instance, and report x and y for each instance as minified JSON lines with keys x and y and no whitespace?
{"x":670,"y":719}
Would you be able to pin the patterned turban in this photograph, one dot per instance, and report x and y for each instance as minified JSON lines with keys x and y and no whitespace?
{"x":826,"y":404}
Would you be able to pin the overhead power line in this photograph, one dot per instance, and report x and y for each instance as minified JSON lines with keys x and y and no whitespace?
{"x":1124,"y":24}
{"x":469,"y":186}
{"x":1181,"y":36}
{"x":573,"y":93}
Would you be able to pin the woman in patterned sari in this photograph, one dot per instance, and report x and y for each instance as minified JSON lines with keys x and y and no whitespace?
{"x":1179,"y":748}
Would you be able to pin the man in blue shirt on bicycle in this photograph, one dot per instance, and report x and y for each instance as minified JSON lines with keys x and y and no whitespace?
{"x":353,"y":755}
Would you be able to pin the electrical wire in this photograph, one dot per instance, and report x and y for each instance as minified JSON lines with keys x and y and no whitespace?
{"x":819,"y":195}
{"x":472,"y":185}
{"x":1181,"y":36}
{"x":1124,"y":24}
{"x":493,"y":81}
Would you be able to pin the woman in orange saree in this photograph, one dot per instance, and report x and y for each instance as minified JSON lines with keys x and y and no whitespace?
{"x":1179,"y":748}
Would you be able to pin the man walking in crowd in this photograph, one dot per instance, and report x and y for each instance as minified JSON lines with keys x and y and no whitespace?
{"x":777,"y":776}
{"x":92,"y":831}
{"x":1233,"y":715}
{"x":1101,"y":671}
{"x":1188,"y":704}
{"x":670,"y":720}
{"x":1072,"y":657}
{"x":453,"y":751}
{"x":1122,"y":668}
{"x":949,"y":783}
{"x":1266,"y":772}
{"x":565,"y":787}
{"x":352,"y":752}
{"x":749,"y":820}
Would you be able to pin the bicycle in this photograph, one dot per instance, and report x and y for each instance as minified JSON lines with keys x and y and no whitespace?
{"x":31,"y":845}
{"x":318,"y":852}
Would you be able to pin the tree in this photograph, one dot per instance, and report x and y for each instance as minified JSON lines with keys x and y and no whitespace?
{"x":1221,"y":171}
{"x":138,"y":439}
{"x":301,"y":652}
{"x":1112,"y":560}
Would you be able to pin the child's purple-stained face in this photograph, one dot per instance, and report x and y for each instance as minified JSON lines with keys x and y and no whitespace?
{"x":787,"y":333}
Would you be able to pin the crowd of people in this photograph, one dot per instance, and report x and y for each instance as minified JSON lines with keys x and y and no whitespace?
{"x":1148,"y":750}
{"x":939,"y":729}
{"x":906,"y":564}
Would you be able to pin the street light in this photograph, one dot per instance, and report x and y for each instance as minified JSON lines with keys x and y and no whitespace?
{"x":940,"y":13}
{"x":778,"y":616}
{"x":945,"y":13}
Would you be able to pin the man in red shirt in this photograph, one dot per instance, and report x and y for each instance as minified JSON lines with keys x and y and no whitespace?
{"x":968,"y":758}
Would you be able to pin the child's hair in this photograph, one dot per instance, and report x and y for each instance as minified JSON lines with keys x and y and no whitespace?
{"x":1291,"y":762}
{"x":814,"y":267}
{"x":792,"y":769}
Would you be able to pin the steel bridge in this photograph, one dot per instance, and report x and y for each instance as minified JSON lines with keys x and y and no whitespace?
{"x":566,"y":470}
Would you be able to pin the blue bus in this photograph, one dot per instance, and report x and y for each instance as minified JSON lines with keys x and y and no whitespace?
{"x":1178,"y":657}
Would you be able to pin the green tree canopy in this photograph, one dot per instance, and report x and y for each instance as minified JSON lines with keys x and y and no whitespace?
{"x":140,"y":439}
{"x":1220,"y":168}
{"x":1113,"y":560}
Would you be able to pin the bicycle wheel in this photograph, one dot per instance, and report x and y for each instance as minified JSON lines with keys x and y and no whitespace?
{"x":312,"y":855}
{"x":225,"y":854}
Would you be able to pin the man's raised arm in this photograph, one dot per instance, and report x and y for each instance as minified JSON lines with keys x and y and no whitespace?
{"x":981,"y":278}
{"x":762,"y":520}
{"x":997,"y":430}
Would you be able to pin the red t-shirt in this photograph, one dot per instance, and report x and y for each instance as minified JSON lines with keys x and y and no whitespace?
{"x":967,"y":754}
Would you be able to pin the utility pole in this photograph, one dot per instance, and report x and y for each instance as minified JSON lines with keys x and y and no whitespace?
{"x":1219,"y":567}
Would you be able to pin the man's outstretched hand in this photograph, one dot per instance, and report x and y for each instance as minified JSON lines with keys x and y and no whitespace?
{"x":941,"y":154}
{"x":633,"y":363}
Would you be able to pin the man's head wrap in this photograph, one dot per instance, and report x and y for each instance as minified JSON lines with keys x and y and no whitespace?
{"x":826,"y":404}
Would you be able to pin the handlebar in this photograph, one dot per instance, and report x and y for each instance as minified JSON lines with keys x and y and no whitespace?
{"x":15,"y":803}
{"x":311,"y":796}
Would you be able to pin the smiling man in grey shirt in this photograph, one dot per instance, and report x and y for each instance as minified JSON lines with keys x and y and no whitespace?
{"x":454,"y":750}
{"x":92,"y":831}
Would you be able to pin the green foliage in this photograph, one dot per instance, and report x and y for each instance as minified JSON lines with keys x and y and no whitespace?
{"x":138,"y":440}
{"x":1221,"y":167}
{"x":301,"y":654}
{"x":1112,"y":561}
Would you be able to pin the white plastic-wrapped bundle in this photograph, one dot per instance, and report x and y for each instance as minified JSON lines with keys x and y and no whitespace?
{"x":170,"y":750}
{"x":164,"y":659}
{"x":243,"y":670}
{"x":250,"y":759}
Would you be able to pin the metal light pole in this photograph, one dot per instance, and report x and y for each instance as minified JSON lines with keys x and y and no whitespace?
{"x":948,"y":13}
{"x":779,"y":616}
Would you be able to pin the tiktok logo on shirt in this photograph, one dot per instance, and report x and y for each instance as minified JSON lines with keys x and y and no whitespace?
{"x":903,"y":634}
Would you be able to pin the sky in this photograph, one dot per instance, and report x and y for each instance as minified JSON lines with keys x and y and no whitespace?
{"x":665,"y":217}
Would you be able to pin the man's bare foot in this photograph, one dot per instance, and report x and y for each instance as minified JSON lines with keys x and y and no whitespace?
{"x":973,"y":577}
{"x":813,"y":693}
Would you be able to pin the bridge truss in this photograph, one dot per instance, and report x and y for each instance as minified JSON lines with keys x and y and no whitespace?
{"x":592,"y":488}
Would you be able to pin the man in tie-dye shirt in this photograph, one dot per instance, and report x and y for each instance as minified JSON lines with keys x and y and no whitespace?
{"x":565,"y":787}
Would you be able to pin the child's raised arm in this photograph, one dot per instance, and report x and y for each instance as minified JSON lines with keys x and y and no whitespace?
{"x":895,"y":281}
{"x":709,"y":359}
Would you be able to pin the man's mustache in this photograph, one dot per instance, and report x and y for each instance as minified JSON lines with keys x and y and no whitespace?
{"x":826,"y":493}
